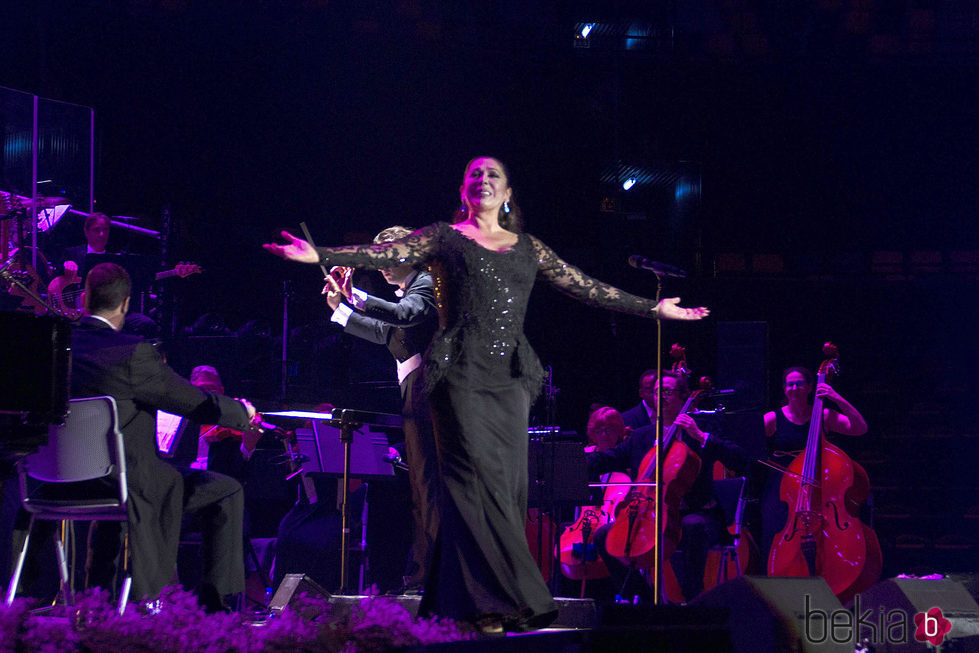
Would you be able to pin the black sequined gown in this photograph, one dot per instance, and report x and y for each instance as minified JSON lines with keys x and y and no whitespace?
{"x":481,"y":375}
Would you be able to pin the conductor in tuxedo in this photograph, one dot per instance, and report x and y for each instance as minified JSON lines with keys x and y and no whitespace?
{"x":406,"y":327}
{"x":106,"y":361}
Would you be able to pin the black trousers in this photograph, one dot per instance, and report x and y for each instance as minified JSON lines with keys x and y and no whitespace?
{"x":218,"y":503}
{"x":423,"y":475}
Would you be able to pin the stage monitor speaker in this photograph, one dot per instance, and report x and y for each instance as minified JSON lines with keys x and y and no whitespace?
{"x":623,"y":627}
{"x":771,"y":615}
{"x":292,"y":586}
{"x":742,"y":363}
{"x":897,"y":600}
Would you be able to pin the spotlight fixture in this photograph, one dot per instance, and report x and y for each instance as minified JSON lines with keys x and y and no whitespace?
{"x":628,"y":183}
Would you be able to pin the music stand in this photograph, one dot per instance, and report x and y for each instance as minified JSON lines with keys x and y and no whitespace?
{"x":348,"y":422}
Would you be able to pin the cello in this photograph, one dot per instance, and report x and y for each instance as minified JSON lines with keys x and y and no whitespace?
{"x":823,"y":534}
{"x":578,"y":554}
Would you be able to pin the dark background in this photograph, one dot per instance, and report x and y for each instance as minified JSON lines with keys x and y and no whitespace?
{"x":785,"y":146}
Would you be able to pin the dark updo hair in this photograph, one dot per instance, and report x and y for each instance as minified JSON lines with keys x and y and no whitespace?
{"x":512,"y":221}
{"x":804,"y":371}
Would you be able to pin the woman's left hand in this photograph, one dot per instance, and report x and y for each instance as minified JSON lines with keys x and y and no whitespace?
{"x":668,"y":310}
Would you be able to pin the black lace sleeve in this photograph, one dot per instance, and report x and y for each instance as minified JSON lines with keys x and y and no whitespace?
{"x":572,"y":281}
{"x":414,"y":248}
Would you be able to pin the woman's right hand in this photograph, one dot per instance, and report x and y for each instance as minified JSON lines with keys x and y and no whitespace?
{"x":668,"y":309}
{"x":296,"y":249}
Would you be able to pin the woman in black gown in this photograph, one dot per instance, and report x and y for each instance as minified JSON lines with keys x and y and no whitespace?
{"x":481,"y":375}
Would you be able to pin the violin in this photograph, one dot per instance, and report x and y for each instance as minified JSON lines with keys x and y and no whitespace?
{"x":213,"y":433}
{"x":824,"y":488}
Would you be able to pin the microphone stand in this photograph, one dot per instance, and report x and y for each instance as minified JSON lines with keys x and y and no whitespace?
{"x":660,"y":456}
{"x":286,"y":291}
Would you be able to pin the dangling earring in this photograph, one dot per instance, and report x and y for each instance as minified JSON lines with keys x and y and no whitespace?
{"x":506,"y":206}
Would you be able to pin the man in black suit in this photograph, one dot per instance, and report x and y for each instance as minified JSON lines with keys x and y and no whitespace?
{"x":642,"y":414}
{"x":406,"y":327}
{"x":108,"y":362}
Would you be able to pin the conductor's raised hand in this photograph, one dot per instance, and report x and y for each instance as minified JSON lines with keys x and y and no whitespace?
{"x":668,"y":309}
{"x":295,"y":249}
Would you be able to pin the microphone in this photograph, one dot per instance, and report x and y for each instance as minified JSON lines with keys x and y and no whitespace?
{"x":657,"y":268}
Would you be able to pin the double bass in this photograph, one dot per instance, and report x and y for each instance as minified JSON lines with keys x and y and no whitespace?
{"x":823,"y":534}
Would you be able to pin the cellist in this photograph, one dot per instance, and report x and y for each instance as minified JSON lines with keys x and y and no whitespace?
{"x":787,"y":429}
{"x":702,"y":518}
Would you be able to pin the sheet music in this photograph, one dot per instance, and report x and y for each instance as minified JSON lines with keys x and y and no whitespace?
{"x":324,"y":450}
{"x":167,"y":428}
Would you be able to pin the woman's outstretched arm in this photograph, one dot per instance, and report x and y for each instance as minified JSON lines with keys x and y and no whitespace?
{"x":413,"y":248}
{"x":572,"y":281}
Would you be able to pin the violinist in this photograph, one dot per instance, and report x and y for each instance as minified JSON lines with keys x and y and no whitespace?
{"x":701,"y":516}
{"x":787,"y":429}
{"x":219,"y":448}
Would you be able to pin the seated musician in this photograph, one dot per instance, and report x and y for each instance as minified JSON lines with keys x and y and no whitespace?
{"x":701,"y":517}
{"x":605,"y":429}
{"x":96,"y":229}
{"x":788,"y":428}
{"x":643,"y":413}
{"x":220,"y":448}
{"x":62,"y":292}
{"x":108,"y":362}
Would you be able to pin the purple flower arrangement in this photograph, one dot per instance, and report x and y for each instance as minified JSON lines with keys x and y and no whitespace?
{"x":176,"y":623}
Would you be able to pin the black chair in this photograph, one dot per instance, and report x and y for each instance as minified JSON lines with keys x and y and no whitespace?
{"x":730,"y":495}
{"x":79,"y":475}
